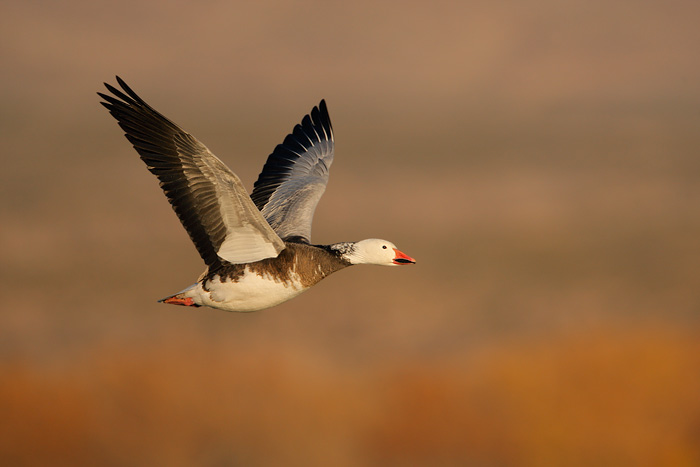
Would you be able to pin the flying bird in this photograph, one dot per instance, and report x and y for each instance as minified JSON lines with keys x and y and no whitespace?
{"x":257,"y":248}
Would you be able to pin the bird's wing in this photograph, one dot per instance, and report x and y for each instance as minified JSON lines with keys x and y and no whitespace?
{"x":209,"y":199}
{"x":295,"y":176}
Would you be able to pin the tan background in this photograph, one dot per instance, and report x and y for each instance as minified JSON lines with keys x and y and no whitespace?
{"x":538,"y":158}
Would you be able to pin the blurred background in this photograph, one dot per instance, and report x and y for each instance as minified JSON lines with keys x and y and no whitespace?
{"x":539,"y":159}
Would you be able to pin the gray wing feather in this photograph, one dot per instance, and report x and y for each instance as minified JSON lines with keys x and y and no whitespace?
{"x":209,"y":199}
{"x":295,"y":176}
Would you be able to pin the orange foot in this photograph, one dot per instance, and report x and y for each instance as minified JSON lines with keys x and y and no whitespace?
{"x":179,"y":301}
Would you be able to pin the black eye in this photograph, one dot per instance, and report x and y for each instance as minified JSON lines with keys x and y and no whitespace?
{"x":384,"y":246}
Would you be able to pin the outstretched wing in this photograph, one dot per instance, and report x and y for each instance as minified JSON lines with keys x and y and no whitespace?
{"x":295,"y":176}
{"x":209,"y":199}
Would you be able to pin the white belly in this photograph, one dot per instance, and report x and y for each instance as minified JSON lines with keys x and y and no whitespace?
{"x":251,"y":292}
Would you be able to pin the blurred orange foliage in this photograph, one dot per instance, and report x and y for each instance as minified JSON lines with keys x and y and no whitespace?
{"x":609,"y":397}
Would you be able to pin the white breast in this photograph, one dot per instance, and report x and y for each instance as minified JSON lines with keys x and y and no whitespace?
{"x":251,"y":292}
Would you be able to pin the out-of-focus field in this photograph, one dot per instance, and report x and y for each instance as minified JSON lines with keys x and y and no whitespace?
{"x":539,"y":159}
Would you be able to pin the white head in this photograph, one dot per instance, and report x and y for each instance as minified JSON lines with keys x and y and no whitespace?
{"x":375,"y":251}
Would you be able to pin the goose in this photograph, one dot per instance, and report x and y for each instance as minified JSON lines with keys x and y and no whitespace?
{"x":257,"y":248}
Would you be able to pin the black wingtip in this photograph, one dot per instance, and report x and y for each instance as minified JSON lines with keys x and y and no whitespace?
{"x":324,"y":117}
{"x":323,"y":108}
{"x":126,"y":88}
